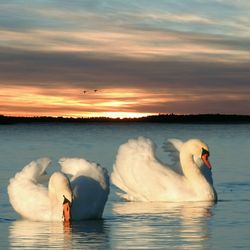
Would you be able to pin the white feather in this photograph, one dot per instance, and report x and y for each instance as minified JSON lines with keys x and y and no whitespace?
{"x":142,"y":177}
{"x":34,"y":201}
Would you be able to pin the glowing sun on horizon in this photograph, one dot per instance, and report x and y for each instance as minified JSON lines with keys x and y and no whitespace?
{"x":121,"y":115}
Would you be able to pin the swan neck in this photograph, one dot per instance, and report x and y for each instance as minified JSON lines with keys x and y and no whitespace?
{"x":189,"y":167}
{"x":59,"y":187}
{"x":201,"y":187}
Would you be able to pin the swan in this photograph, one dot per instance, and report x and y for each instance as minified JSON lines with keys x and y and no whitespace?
{"x":83,"y":196}
{"x":142,"y":177}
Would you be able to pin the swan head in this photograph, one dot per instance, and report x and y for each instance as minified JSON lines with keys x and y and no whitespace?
{"x":66,"y":209}
{"x":60,"y":193}
{"x":199,"y":150}
{"x":66,"y":198}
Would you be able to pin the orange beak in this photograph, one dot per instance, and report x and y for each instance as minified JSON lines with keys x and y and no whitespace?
{"x":204,"y":157}
{"x":67,"y":212}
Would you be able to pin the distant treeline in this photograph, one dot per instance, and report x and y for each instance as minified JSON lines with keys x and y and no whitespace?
{"x":161,"y":118}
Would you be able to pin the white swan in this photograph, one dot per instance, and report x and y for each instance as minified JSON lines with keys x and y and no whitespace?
{"x":84,"y":195}
{"x":143,"y":177}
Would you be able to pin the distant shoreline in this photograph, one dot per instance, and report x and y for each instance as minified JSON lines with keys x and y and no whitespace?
{"x":161,"y":118}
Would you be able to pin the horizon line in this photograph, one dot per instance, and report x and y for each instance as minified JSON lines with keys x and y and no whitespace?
{"x":160,"y":118}
{"x":121,"y":118}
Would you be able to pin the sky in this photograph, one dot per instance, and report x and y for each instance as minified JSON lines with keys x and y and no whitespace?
{"x":117,"y":58}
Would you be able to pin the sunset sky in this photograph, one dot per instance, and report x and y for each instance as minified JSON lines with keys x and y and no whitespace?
{"x":143,"y":57}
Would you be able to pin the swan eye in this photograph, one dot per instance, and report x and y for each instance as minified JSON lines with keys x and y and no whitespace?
{"x":204,"y":152}
{"x":65,"y":200}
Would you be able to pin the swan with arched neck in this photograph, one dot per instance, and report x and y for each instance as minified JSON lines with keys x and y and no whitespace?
{"x":82,"y":196}
{"x":143,"y":177}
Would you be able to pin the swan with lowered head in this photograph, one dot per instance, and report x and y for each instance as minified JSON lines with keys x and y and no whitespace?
{"x":82,"y":197}
{"x":142,"y":177}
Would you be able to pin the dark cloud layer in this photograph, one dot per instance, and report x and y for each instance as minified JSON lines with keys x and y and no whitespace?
{"x":177,"y":56}
{"x":84,"y":70}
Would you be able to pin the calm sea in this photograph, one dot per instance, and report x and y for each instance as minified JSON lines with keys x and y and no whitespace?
{"x":132,"y":225}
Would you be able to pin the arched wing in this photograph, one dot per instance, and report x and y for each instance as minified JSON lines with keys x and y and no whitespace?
{"x":172,"y":147}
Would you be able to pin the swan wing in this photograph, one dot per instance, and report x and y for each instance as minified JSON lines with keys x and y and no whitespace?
{"x":172,"y":147}
{"x":79,"y":166}
{"x":140,"y":174}
{"x":90,"y":185}
{"x":27,"y":196}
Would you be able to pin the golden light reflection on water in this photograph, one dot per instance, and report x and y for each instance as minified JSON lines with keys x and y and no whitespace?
{"x":128,"y":225}
{"x":57,"y":235}
{"x":28,"y":234}
{"x":164,"y":224}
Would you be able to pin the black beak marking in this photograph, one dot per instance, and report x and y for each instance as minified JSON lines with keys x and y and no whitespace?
{"x":204,"y":152}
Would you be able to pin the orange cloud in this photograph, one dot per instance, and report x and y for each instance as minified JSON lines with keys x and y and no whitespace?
{"x":112,"y":102}
{"x":32,"y":101}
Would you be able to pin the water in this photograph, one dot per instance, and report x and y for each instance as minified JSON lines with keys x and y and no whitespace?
{"x":132,"y":225}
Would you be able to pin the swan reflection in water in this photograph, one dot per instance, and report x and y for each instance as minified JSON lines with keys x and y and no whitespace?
{"x":164,"y":224}
{"x":76,"y":235}
{"x":129,"y":225}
